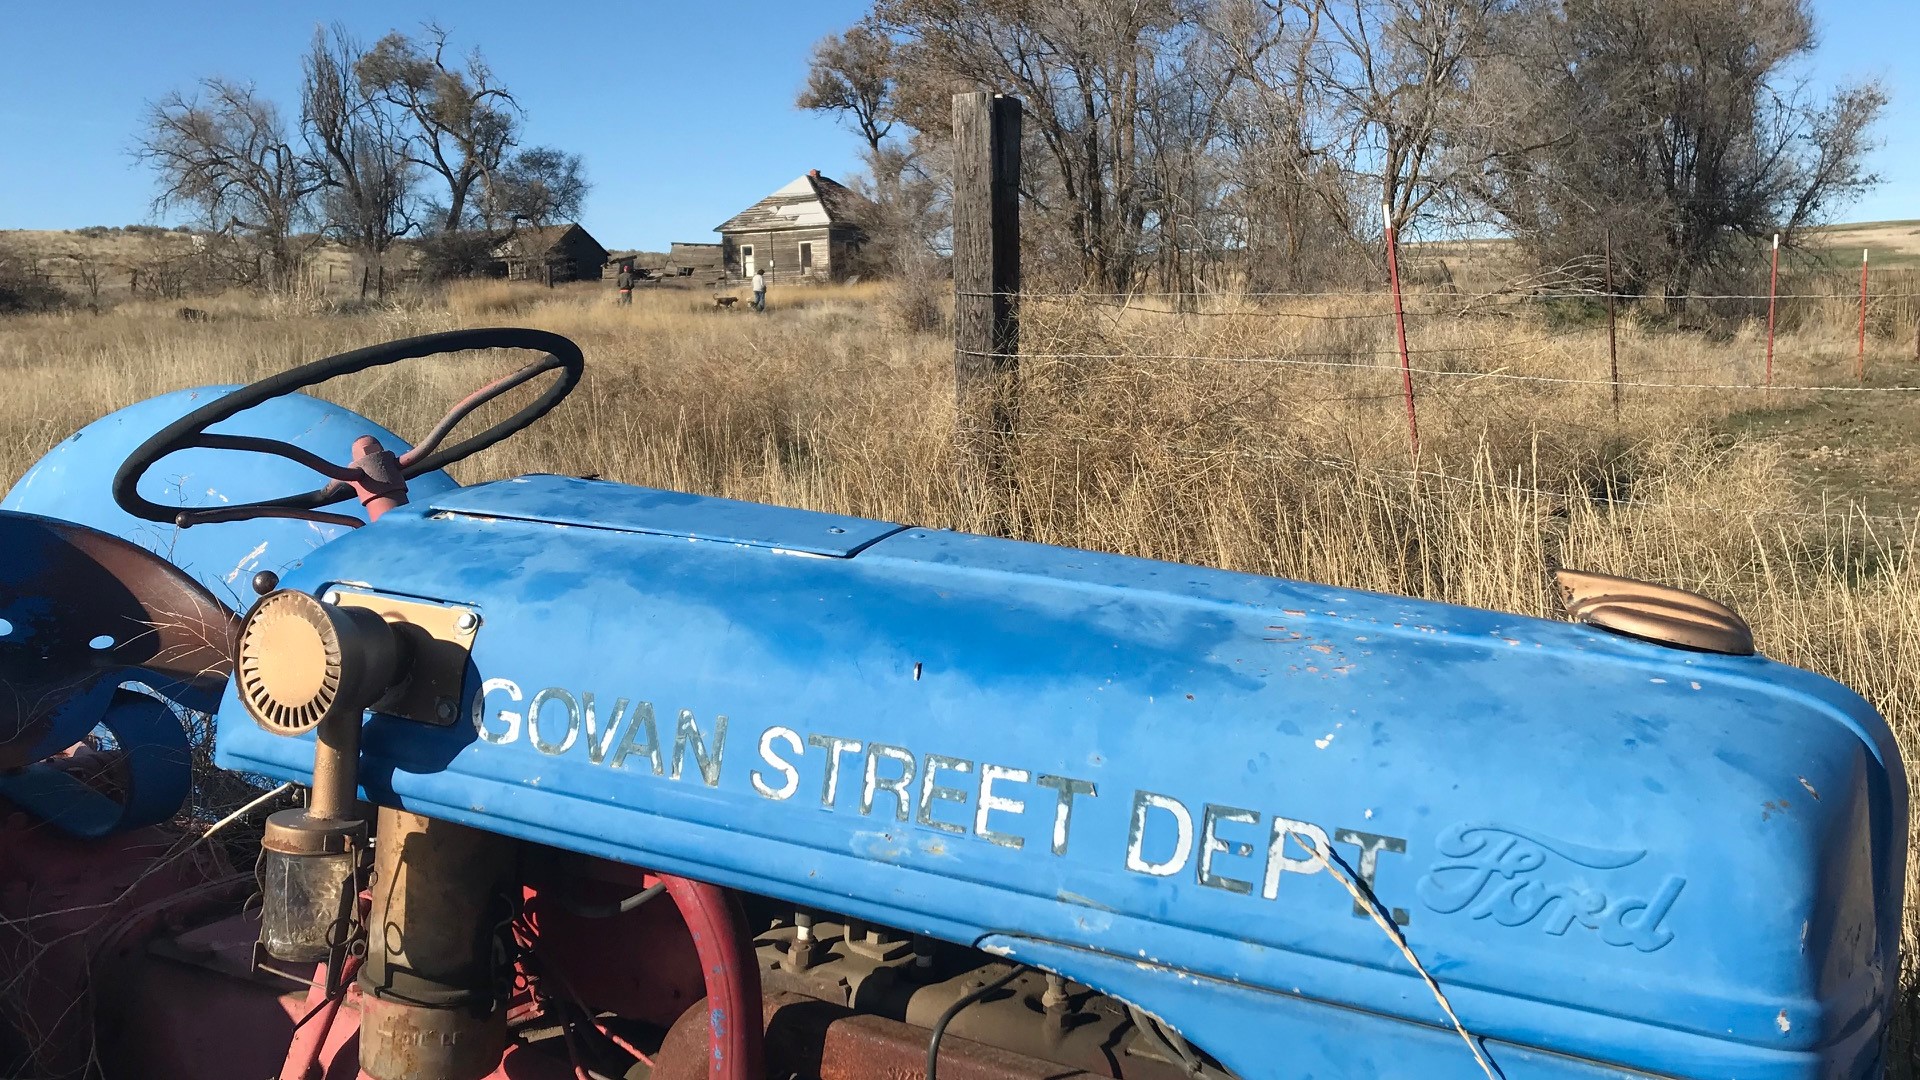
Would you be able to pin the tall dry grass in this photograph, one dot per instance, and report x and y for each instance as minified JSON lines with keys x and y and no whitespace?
{"x":1127,"y":443}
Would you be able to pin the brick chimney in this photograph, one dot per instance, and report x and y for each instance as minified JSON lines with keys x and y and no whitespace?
{"x":815,"y":173}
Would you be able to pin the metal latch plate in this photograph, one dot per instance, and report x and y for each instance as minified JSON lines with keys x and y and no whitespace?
{"x":439,"y":642}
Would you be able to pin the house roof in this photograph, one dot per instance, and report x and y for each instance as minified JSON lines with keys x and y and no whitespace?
{"x":533,"y":243}
{"x":809,"y":202}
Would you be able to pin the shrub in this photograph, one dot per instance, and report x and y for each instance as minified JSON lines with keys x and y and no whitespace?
{"x":24,"y":288}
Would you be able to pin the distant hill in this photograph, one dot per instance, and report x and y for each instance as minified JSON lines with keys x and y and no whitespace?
{"x":117,"y":260}
{"x":1890,"y":243}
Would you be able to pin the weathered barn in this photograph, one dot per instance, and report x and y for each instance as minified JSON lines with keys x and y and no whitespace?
{"x":702,"y":258}
{"x":812,"y":228}
{"x":551,"y":254}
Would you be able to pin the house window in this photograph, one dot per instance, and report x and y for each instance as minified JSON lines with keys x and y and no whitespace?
{"x":746,"y":260}
{"x":806,"y":257}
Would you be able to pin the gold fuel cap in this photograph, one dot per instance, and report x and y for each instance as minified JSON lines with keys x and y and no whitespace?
{"x":299,"y":661}
{"x":1657,"y":613}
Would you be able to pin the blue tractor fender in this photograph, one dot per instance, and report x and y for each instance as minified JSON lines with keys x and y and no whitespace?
{"x":73,"y":482}
{"x":59,"y":585}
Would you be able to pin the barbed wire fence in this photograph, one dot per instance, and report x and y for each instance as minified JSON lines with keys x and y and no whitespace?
{"x":988,"y":357}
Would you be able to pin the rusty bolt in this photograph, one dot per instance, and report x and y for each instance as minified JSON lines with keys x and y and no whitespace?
{"x":1056,"y":993}
{"x":800,"y":955}
{"x":1055,"y":1001}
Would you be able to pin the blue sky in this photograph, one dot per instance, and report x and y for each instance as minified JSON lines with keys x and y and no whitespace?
{"x":704,"y":125}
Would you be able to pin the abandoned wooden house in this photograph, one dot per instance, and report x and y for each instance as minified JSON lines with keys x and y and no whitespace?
{"x":812,"y":228}
{"x":703,"y":258}
{"x":550,"y":255}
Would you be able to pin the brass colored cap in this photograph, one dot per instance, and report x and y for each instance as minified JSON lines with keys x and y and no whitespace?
{"x":299,"y":660}
{"x":1656,"y":613}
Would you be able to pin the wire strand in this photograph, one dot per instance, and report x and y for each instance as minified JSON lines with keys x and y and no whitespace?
{"x":1856,"y":514}
{"x":1566,"y":294}
{"x":1317,"y":360}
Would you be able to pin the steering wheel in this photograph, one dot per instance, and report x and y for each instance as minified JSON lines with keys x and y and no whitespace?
{"x":190,"y":431}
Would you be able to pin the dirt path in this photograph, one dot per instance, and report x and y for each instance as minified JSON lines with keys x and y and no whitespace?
{"x":1847,"y":447}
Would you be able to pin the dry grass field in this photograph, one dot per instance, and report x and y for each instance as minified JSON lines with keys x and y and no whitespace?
{"x":1798,"y":508}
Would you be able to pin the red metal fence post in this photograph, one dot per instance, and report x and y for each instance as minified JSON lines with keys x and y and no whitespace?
{"x":1773,"y":289}
{"x":1400,"y":330}
{"x":1860,"y":358}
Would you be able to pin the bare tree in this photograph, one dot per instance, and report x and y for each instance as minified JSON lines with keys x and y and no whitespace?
{"x":1180,"y":139}
{"x":24,"y":285}
{"x":357,"y":146}
{"x":540,"y":186}
{"x":227,"y":157}
{"x":464,"y":122}
{"x":1294,"y":205}
{"x":1678,"y":132}
{"x":1395,"y":79}
{"x":852,"y":75}
{"x":1081,"y":67}
{"x":855,"y":76}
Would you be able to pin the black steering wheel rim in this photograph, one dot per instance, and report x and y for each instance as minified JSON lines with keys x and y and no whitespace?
{"x":176,"y":436}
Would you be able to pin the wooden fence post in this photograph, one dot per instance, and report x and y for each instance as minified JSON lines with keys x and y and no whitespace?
{"x":1400,"y":329}
{"x":1860,"y":358}
{"x":1613,"y":340}
{"x":986,"y":277}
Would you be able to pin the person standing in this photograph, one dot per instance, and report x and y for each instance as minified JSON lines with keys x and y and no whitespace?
{"x":759,"y":290}
{"x":625,"y":284}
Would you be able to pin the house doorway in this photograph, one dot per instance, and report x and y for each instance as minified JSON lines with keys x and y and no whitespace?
{"x":746,"y":260}
{"x":806,"y":258}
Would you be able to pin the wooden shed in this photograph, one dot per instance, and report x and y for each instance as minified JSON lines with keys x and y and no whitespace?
{"x":552,"y":254}
{"x":813,"y":228}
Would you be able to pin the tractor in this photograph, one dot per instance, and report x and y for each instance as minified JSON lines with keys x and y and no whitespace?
{"x":569,"y":778}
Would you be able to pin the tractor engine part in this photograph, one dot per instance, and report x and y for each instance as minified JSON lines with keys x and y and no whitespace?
{"x":430,"y":990}
{"x":302,"y":665}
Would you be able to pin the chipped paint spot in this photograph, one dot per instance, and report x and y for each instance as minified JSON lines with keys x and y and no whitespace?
{"x":1785,"y":1025}
{"x":1695,"y":685}
{"x":1808,"y":786}
{"x":1658,"y":681}
{"x":247,"y":563}
{"x":1083,"y":901}
{"x":1324,"y":743}
{"x":1369,"y":813}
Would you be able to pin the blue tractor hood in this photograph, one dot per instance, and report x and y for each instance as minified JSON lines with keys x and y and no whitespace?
{"x":1176,"y":784}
